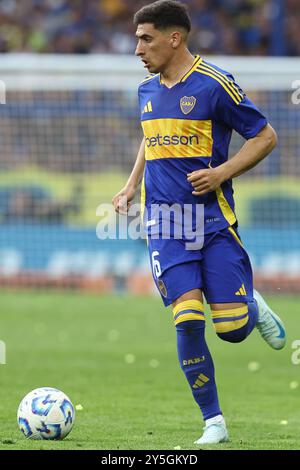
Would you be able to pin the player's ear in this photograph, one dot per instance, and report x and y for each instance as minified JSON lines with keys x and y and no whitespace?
{"x":175,"y":39}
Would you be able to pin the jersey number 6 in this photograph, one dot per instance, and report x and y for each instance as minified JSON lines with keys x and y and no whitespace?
{"x":156,"y":265}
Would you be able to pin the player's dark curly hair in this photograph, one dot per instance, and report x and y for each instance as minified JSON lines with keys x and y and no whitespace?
{"x":164,"y":14}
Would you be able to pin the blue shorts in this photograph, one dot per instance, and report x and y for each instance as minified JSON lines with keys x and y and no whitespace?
{"x":221,"y":268}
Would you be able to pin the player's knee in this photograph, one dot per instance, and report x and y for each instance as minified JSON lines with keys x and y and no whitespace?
{"x":235,"y":336}
{"x":231,"y":324}
{"x":188,"y":316}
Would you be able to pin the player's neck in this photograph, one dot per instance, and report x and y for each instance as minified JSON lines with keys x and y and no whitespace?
{"x":177,"y":68}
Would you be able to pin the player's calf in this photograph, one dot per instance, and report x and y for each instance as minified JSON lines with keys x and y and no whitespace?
{"x":194,"y":356}
{"x":235,"y":324}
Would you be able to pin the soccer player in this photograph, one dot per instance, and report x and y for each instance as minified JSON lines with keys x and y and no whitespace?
{"x":189,"y":108}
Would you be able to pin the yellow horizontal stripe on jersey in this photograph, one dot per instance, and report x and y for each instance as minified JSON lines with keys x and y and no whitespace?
{"x":224,"y":78}
{"x":219,"y":80}
{"x":225,"y":207}
{"x":177,"y":138}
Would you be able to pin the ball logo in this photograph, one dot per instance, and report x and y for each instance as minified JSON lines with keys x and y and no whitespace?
{"x":24,"y":427}
{"x":51,"y":432}
{"x":42,"y":405}
{"x":68,"y":411}
{"x":187,"y":104}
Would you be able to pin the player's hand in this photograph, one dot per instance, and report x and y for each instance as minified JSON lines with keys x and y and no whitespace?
{"x":204,"y":181}
{"x":122,"y":200}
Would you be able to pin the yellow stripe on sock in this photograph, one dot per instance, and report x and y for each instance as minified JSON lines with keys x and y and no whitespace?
{"x":226,"y":326}
{"x":234,"y":312}
{"x":188,"y":305}
{"x":188,"y":317}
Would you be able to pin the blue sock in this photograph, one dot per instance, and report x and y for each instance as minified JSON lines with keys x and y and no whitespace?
{"x":194,"y":356}
{"x":234,"y":325}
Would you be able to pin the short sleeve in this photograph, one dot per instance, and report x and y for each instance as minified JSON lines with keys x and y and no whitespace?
{"x":232,"y":107}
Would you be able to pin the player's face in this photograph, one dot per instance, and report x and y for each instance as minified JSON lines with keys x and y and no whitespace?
{"x":154,"y":47}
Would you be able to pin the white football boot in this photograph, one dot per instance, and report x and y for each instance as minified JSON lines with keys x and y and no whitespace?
{"x":215,"y":431}
{"x":269,"y":325}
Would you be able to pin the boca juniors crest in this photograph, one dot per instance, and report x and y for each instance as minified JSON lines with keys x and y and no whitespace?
{"x":162,"y":287}
{"x":187,"y":104}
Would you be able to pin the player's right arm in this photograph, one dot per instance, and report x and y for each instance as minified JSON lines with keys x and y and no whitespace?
{"x":121,"y":201}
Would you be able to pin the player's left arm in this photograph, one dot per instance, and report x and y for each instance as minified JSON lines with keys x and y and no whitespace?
{"x":252,"y":152}
{"x":231,"y":108}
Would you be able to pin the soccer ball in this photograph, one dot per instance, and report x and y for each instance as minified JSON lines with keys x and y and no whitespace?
{"x":46,"y":413}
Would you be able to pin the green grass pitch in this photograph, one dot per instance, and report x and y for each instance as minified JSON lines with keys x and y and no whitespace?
{"x":116,"y":356}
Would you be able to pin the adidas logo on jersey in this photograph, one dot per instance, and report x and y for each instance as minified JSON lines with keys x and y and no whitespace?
{"x":241,"y":291}
{"x":148,"y":108}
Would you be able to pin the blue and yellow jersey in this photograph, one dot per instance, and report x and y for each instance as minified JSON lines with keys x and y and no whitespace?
{"x":188,"y":127}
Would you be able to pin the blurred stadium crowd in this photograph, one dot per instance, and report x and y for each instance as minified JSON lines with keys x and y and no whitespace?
{"x":63,"y":151}
{"x":245,"y":27}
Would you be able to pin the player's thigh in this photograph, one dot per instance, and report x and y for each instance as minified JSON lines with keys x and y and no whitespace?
{"x":194,"y":294}
{"x":226,"y":269}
